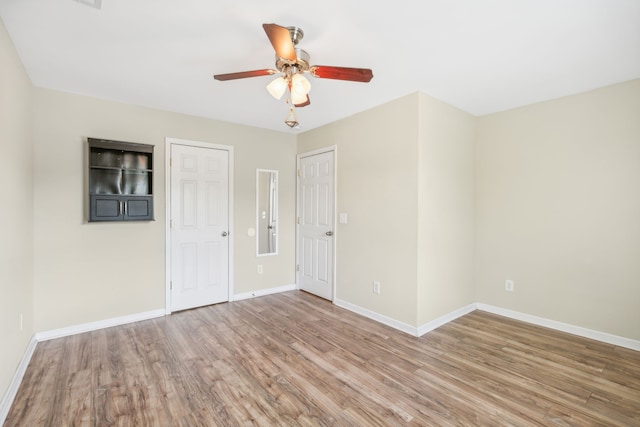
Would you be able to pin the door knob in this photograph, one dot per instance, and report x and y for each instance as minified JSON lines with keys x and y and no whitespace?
{"x":224,"y":234}
{"x":329,"y":233}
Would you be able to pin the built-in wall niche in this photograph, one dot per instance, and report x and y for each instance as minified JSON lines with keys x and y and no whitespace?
{"x":120,"y":181}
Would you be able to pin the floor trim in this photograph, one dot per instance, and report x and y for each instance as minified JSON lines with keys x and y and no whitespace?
{"x":263,"y":292}
{"x":564,"y":327}
{"x":380,"y":318}
{"x":12,"y":391}
{"x":100,"y":324}
{"x":528,"y":318}
{"x":443,"y":320}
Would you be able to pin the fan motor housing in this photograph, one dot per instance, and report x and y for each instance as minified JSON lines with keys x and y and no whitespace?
{"x":302,"y":62}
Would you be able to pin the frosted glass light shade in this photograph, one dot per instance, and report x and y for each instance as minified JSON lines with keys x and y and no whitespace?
{"x":300,"y":87}
{"x":298,"y":98}
{"x":277,"y":87}
{"x":300,"y":84}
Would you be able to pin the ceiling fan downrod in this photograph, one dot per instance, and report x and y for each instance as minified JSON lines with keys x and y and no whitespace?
{"x":296,"y":34}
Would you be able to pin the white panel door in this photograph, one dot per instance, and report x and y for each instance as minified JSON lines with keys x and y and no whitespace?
{"x":199,"y":226}
{"x":315,"y":224}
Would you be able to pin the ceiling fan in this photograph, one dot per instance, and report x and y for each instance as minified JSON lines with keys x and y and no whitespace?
{"x":292,"y":62}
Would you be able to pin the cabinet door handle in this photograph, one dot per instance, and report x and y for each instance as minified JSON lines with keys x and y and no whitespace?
{"x":125,"y":208}
{"x":120,"y":208}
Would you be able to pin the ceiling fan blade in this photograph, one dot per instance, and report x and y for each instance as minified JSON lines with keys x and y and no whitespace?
{"x":342,"y":73}
{"x":280,"y":39}
{"x":303,"y":104}
{"x":244,"y":74}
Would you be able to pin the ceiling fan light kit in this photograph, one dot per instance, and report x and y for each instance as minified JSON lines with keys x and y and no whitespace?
{"x":277,"y":87}
{"x":292,"y":62}
{"x":300,"y":88}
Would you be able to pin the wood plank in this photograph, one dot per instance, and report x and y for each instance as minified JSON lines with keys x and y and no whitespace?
{"x":295,"y":359}
{"x":33,"y":403}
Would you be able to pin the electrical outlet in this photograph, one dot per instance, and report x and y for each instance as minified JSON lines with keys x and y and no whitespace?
{"x":376,"y":287}
{"x":508,"y":285}
{"x":260,"y":269}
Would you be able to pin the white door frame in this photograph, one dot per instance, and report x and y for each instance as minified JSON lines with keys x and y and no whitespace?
{"x":167,"y":214}
{"x":333,"y":149}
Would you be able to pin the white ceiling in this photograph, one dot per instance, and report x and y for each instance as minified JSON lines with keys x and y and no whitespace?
{"x":481,"y":56}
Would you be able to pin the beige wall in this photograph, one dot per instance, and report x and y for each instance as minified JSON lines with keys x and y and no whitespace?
{"x":377,"y":186}
{"x":83,"y":270}
{"x":558,"y":209}
{"x":16,"y":244}
{"x":405,"y":179}
{"x":446,"y":209}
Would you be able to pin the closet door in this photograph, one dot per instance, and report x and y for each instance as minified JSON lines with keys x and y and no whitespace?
{"x":316,"y":223}
{"x":199,"y":226}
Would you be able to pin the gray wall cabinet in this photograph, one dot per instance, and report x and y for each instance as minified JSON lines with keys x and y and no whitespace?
{"x":120,"y":181}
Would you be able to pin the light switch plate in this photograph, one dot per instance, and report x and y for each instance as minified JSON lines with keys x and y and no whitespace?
{"x":343,"y":218}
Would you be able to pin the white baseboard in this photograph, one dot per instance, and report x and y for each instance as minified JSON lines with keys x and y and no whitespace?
{"x":547,"y":323}
{"x":263,"y":292}
{"x":396,"y":324}
{"x":7,"y":400}
{"x":100,"y":324}
{"x":405,"y":327}
{"x":442,"y":320}
{"x":563,"y":327}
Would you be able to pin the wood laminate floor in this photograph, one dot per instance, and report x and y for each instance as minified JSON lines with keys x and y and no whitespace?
{"x":294,"y":359}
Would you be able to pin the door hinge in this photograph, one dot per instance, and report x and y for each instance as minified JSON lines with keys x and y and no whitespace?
{"x":170,"y":223}
{"x":170,"y":285}
{"x":297,"y":267}
{"x":299,"y":172}
{"x":170,"y":161}
{"x":298,"y":220}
